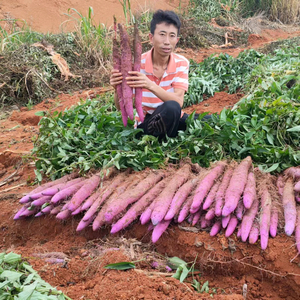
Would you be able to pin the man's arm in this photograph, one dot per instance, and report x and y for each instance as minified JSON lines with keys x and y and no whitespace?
{"x":138,"y":79}
{"x":159,"y":92}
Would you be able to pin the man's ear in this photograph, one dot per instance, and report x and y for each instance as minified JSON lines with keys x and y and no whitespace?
{"x":151,"y":38}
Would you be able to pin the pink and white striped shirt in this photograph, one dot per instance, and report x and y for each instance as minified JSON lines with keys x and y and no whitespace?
{"x":175,"y":77}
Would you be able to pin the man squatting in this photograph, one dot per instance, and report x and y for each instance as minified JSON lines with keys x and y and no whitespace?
{"x":163,"y":77}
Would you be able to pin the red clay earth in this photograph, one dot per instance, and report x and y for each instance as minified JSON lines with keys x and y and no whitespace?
{"x":226,"y":263}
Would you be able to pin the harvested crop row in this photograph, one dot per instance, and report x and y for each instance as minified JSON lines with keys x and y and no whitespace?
{"x":159,"y":197}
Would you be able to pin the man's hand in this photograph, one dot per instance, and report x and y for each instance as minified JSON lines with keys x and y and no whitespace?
{"x":136,"y":79}
{"x":115,"y":78}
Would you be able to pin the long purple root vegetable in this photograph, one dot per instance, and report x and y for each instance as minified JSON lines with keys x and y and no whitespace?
{"x":126,"y":66}
{"x":225,"y":221}
{"x":29,"y":212}
{"x":137,"y":46}
{"x":289,"y":206}
{"x":39,"y":214}
{"x":180,"y":197}
{"x":159,"y":229}
{"x":254,"y":234}
{"x":210,"y":214}
{"x":137,"y":208}
{"x":63,"y":214}
{"x":231,"y":226}
{"x":131,"y":196}
{"x":76,"y":211}
{"x":42,"y":187}
{"x":117,"y":181}
{"x":51,"y":191}
{"x":206,"y":184}
{"x":216,"y":228}
{"x":196,"y":217}
{"x":146,"y":215}
{"x":21,"y":210}
{"x":41,"y":201}
{"x":163,"y":201}
{"x":56,"y":210}
{"x":265,"y":217}
{"x":220,"y":195}
{"x":100,"y":218}
{"x":84,"y":192}
{"x":117,"y":66}
{"x":185,"y":209}
{"x":273,"y":221}
{"x":63,"y":194}
{"x":90,"y":200}
{"x":236,"y":186}
{"x":211,"y":195}
{"x":83,"y":224}
{"x":47,"y":209}
{"x":248,"y":220}
{"x":250,"y":190}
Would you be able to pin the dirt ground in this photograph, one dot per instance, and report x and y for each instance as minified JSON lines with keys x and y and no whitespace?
{"x":234,"y":270}
{"x":54,"y":16}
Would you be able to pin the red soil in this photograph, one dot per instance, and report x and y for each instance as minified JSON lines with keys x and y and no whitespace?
{"x":227,"y":263}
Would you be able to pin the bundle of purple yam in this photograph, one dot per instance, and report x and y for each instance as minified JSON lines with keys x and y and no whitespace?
{"x":122,"y":61}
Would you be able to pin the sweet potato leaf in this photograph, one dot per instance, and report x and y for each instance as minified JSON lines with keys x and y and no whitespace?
{"x":120,"y":266}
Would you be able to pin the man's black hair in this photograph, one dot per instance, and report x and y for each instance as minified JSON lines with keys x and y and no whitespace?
{"x":165,"y":16}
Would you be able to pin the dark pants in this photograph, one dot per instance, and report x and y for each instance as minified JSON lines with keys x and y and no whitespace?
{"x":169,"y":116}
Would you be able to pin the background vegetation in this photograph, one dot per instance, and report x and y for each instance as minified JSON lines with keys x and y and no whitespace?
{"x":28,"y":74}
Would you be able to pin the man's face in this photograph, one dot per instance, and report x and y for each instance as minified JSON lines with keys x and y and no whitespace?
{"x":164,"y":38}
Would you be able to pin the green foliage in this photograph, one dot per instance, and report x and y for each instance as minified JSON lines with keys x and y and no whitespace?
{"x":121,"y":266}
{"x":204,"y":10}
{"x":250,"y":7}
{"x":89,"y":136}
{"x":30,"y":75}
{"x":18,"y":280}
{"x":184,"y":270}
{"x":216,"y":73}
{"x":12,"y":36}
{"x":126,"y":5}
{"x":264,"y":124}
{"x":285,"y":11}
{"x":233,"y":5}
{"x":93,"y":39}
{"x":273,"y":47}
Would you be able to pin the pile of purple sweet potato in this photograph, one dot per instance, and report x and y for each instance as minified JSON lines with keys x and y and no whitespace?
{"x":228,"y":198}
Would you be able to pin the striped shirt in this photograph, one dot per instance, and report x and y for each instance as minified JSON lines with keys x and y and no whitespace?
{"x":175,"y":77}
